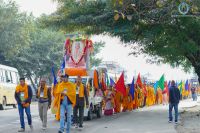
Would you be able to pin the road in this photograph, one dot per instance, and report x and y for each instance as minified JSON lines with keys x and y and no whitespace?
{"x":146,"y":120}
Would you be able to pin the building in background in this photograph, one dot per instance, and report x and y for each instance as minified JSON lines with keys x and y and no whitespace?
{"x":114,"y":70}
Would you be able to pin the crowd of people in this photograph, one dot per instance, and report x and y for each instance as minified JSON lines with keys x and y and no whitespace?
{"x":66,"y":98}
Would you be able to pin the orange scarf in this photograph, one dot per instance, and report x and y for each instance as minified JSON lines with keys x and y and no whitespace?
{"x":24,"y":89}
{"x":45,"y":91}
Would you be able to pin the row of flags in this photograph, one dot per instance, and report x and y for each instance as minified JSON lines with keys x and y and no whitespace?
{"x":160,"y":84}
{"x":120,"y":84}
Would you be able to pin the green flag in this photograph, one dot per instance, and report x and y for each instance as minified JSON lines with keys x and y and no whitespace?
{"x":180,"y":86}
{"x":161,"y":82}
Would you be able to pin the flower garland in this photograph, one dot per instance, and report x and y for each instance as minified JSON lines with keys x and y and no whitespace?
{"x":68,"y":46}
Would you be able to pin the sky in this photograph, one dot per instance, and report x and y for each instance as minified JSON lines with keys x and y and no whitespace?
{"x":113,"y":50}
{"x":37,"y":7}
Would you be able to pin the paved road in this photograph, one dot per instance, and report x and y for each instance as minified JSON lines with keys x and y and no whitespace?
{"x":146,"y":120}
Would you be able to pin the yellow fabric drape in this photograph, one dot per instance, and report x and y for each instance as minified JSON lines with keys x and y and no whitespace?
{"x":24,"y":89}
{"x":45,"y":91}
{"x":117,"y":99}
{"x":70,"y":93}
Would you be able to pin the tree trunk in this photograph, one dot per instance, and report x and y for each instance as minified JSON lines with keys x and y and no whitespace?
{"x":197,"y":71}
{"x":195,"y":61}
{"x":32,"y":83}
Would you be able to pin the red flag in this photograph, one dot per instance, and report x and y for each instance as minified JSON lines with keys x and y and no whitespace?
{"x":144,"y":89}
{"x":120,"y":86}
{"x":103,"y":84}
{"x":139,"y":81}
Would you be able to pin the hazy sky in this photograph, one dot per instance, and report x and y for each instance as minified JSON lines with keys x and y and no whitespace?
{"x":113,"y":50}
{"x":37,"y":7}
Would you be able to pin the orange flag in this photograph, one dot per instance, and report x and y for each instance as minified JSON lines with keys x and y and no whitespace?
{"x":139,"y":81}
{"x":96,"y":80}
{"x":120,"y":86}
{"x":144,"y":89}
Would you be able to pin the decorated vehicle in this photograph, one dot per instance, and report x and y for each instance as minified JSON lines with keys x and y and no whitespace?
{"x":77,"y":52}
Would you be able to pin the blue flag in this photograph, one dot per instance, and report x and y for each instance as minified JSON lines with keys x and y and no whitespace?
{"x":54,"y":76}
{"x":112,"y":83}
{"x":132,"y":89}
{"x":155,"y":86}
{"x":63,"y":64}
{"x":62,"y":67}
{"x":187,"y":85}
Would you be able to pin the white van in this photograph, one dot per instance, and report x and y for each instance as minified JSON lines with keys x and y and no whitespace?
{"x":9,"y":78}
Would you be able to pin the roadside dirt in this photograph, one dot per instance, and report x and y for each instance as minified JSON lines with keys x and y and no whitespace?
{"x":189,"y":120}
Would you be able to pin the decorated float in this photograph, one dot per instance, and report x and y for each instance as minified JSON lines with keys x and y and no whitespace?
{"x":77,"y":52}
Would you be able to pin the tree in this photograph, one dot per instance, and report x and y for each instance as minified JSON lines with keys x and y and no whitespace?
{"x":97,"y":48}
{"x":26,"y":46}
{"x":14,"y":31}
{"x":152,"y":28}
{"x":33,"y":50}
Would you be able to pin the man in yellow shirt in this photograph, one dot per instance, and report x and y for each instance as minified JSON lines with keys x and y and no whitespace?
{"x":67,"y":93}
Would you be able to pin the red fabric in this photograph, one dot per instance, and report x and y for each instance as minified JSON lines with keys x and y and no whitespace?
{"x":108,"y":112}
{"x":67,"y":43}
{"x":120,"y":86}
{"x":139,"y":81}
{"x":166,"y":90}
{"x":144,"y":90}
{"x":103,"y":84}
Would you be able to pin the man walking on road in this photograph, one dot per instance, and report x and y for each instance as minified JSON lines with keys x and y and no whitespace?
{"x":44,"y":102}
{"x":81,"y":96}
{"x":67,"y":93}
{"x":194,"y":95}
{"x":174,"y":97}
{"x":23,"y":96}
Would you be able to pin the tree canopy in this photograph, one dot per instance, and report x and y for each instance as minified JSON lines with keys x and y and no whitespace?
{"x":29,"y":47}
{"x":156,"y":28}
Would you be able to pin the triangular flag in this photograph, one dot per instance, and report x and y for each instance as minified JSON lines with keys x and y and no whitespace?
{"x":144,"y":89}
{"x":62,"y":67}
{"x":54,"y":76}
{"x":180,"y":86}
{"x":187,"y":86}
{"x":161,"y":82}
{"x":103,"y":84}
{"x":96,"y":80}
{"x":112,"y":83}
{"x":120,"y":86}
{"x":155,"y":86}
{"x":132,"y":89}
{"x":139,"y":81}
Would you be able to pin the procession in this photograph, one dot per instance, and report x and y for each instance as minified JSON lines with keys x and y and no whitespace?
{"x":69,"y":96}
